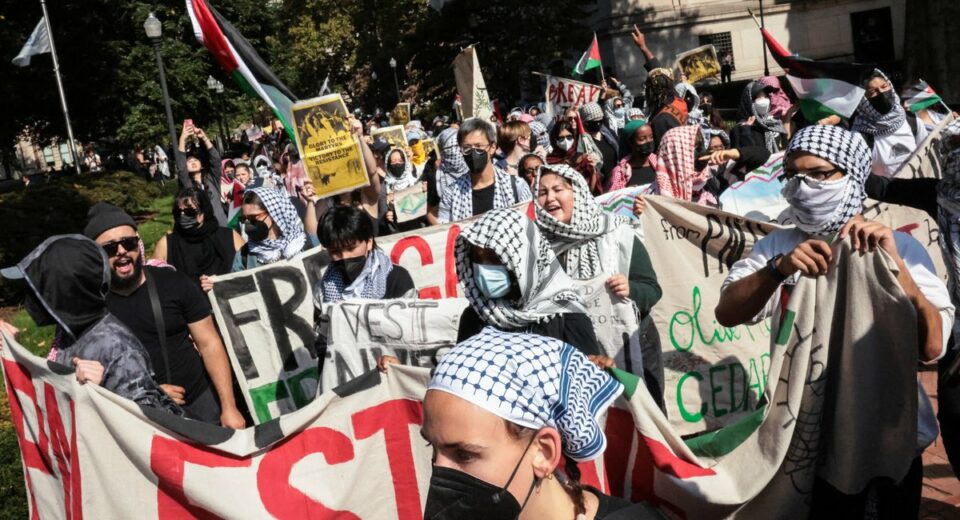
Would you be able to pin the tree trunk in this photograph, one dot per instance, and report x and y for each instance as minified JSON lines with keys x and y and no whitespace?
{"x":931,"y":40}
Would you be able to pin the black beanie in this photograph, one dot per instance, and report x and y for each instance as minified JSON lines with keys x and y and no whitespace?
{"x":104,"y":216}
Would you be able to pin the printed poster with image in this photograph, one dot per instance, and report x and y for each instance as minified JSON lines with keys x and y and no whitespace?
{"x":331,"y":154}
{"x":699,"y":64}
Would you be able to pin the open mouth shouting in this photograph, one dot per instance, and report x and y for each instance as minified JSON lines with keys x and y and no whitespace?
{"x":554,"y":209}
{"x":123,"y":267}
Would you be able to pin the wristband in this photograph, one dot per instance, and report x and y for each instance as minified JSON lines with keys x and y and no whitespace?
{"x":772,"y":270}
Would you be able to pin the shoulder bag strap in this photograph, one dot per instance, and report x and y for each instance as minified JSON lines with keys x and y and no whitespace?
{"x":158,"y":320}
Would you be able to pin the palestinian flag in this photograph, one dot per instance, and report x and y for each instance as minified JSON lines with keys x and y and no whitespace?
{"x":921,"y":96}
{"x":590,"y":58}
{"x":236,"y":56}
{"x":824,"y":88}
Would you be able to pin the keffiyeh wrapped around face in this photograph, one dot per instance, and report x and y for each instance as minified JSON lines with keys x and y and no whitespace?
{"x":773,"y":128}
{"x":677,"y":175}
{"x":848,"y":152}
{"x":451,"y":158}
{"x":576,"y":242}
{"x":534,"y":382}
{"x":869,"y":121}
{"x":542,"y":136}
{"x":779,"y":101}
{"x":284,"y":215}
{"x":370,"y":285}
{"x":545,"y":289}
{"x":407,"y":179}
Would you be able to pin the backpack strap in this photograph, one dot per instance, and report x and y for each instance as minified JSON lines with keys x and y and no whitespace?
{"x":912,"y":121}
{"x":158,"y":321}
{"x":516,"y":194}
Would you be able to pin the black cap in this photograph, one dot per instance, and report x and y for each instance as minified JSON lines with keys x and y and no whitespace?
{"x":104,"y":216}
{"x":758,"y":87}
{"x":380,"y":145}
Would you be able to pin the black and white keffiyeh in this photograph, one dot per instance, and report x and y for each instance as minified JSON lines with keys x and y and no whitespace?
{"x":409,"y":177}
{"x":451,"y":158}
{"x":576,"y":243}
{"x":869,"y":121}
{"x":848,"y":152}
{"x":459,"y":198}
{"x":542,"y":135}
{"x":292,"y":237}
{"x":534,"y":382}
{"x":370,"y":285}
{"x":773,"y":128}
{"x":545,"y":289}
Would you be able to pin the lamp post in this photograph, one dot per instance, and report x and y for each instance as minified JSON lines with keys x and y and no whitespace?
{"x":763,"y":44}
{"x":217,"y":88}
{"x":396,"y":82}
{"x":154,"y":30}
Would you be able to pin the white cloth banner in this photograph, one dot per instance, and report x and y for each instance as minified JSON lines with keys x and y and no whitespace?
{"x":563,"y":93}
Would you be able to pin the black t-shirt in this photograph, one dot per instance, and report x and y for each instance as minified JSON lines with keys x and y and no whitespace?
{"x":399,"y":283}
{"x":642,"y":175}
{"x":483,"y":199}
{"x":433,"y":196}
{"x":182,"y":303}
{"x":607,"y":506}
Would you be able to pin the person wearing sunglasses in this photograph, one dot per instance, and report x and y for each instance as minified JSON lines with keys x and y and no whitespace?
{"x":273,"y":228}
{"x":198,"y":247}
{"x":186,"y":351}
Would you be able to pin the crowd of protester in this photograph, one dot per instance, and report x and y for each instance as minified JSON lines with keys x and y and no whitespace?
{"x":143,"y":328}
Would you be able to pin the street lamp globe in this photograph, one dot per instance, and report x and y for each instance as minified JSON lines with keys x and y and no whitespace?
{"x":393,"y":63}
{"x":212,"y":83}
{"x":153,"y":27}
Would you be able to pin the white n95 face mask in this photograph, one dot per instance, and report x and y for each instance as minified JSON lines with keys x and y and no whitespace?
{"x":762,"y":107}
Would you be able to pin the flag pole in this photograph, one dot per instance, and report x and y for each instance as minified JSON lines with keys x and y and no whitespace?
{"x":63,"y":97}
{"x":602,"y":79}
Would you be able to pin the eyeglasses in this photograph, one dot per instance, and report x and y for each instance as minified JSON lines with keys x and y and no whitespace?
{"x":469,"y":148}
{"x":128,"y":243}
{"x":817,"y":175}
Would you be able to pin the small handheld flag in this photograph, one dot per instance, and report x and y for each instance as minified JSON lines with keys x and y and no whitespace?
{"x":590,"y":58}
{"x":921,"y":96}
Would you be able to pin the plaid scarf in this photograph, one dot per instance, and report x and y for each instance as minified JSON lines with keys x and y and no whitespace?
{"x":677,"y":176}
{"x":545,"y":289}
{"x":576,"y":242}
{"x":284,"y":215}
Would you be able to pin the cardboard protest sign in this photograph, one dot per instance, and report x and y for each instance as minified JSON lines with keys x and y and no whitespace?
{"x":563,"y":93}
{"x":254,"y":133}
{"x":713,"y":374}
{"x":757,"y":196}
{"x":410,"y":203}
{"x":417,"y":332}
{"x":699,"y":64}
{"x":331,"y":154}
{"x":400,"y":114}
{"x":355,"y":452}
{"x":474,"y":99}
{"x":394,"y":135}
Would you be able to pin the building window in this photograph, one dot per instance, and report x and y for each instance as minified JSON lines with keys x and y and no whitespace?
{"x":722,"y":43}
{"x":48,"y":156}
{"x":65,"y":155}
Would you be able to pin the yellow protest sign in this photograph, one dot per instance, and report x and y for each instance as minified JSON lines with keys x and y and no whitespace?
{"x":331,"y":154}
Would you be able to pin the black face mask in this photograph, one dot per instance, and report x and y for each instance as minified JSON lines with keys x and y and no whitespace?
{"x":257,"y":230}
{"x":188,"y":222}
{"x":396,"y":170}
{"x":690,"y":104}
{"x":476,"y":160}
{"x":706,"y":107}
{"x":593,"y":126}
{"x":350,"y":267}
{"x":37,"y":311}
{"x":455,"y":495}
{"x":644,"y":149}
{"x":882,"y":102}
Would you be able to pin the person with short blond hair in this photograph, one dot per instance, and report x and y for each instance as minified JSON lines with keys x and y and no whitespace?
{"x":515,"y":139}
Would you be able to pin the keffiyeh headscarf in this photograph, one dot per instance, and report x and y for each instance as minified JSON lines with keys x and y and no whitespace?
{"x":869,"y":121}
{"x":824,"y":211}
{"x":534,"y":382}
{"x":284,"y":215}
{"x":694,"y":115}
{"x":542,"y":136}
{"x":677,"y":176}
{"x":773,"y":128}
{"x":576,"y":242}
{"x":710,"y":133}
{"x":409,"y":177}
{"x":451,"y":158}
{"x":370,"y":285}
{"x":948,"y":215}
{"x":545,"y":289}
{"x":779,"y":101}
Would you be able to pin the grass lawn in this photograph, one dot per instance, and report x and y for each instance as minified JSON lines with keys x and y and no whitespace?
{"x":13,"y":500}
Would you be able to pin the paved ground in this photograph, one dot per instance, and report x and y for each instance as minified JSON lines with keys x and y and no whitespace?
{"x":941,"y":489}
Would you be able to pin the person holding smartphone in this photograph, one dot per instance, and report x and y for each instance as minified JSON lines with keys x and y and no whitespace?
{"x":191,"y":170}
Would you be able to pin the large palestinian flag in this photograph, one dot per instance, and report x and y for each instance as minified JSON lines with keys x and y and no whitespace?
{"x":824,"y":88}
{"x":237,"y":57}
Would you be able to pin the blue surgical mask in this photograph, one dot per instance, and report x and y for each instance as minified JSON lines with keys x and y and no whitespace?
{"x":492,"y":280}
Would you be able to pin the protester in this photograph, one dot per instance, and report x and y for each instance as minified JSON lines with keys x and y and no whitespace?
{"x":890,"y":132}
{"x":729,"y":165}
{"x":826,"y":167}
{"x":757,"y":127}
{"x":639,"y":167}
{"x":497,"y":454}
{"x":615,"y":108}
{"x":695,"y":116}
{"x":514,"y":283}
{"x":566,"y":150}
{"x":189,"y":354}
{"x":515,"y":139}
{"x":452,"y":167}
{"x":528,"y":166}
{"x":779,"y":101}
{"x":604,"y":138}
{"x":680,"y":173}
{"x":401,"y":175}
{"x":486,"y":187}
{"x":274,"y":230}
{"x":358,"y":268}
{"x":590,"y":242}
{"x":68,"y":279}
{"x":197,"y":246}
{"x":192,"y":173}
{"x":245,"y":177}
{"x":541,"y":136}
{"x":91,"y":161}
